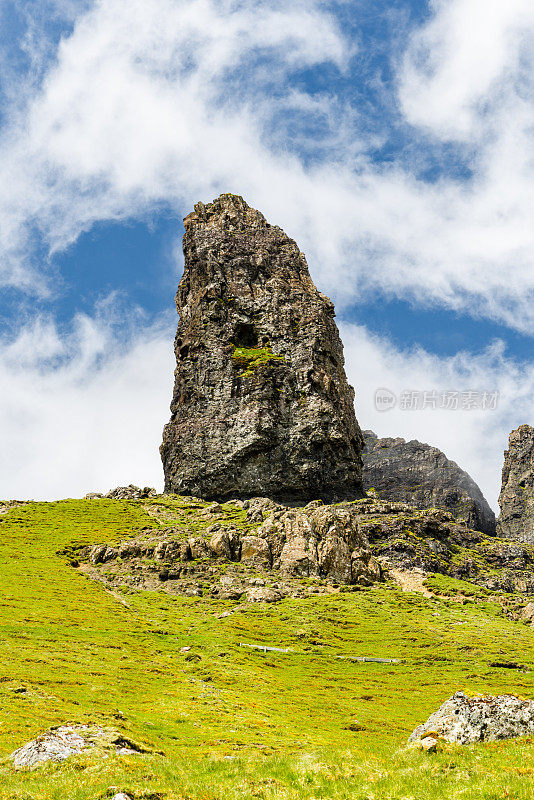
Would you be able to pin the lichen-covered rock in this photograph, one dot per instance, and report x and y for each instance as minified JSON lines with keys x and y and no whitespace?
{"x":467,"y":720}
{"x":516,"y":500}
{"x":261,"y":403}
{"x":130,"y":492}
{"x":59,"y":743}
{"x":423,"y":476}
{"x":220,"y":544}
{"x":262,"y":594}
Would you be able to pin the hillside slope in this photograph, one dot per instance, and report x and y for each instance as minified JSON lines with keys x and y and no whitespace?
{"x":222,"y":719}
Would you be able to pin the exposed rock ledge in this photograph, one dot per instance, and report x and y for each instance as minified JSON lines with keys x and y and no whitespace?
{"x":260,"y":550}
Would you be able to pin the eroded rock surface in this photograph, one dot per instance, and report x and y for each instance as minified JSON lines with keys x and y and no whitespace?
{"x":423,"y":476}
{"x":261,"y":403}
{"x":59,"y":743}
{"x":516,"y":500}
{"x":224,"y":550}
{"x":467,"y":720}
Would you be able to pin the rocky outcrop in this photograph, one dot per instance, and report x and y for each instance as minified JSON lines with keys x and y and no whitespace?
{"x":423,"y":476}
{"x":63,"y":741}
{"x":261,"y":403}
{"x":224,"y":550}
{"x":516,"y":500}
{"x":130,"y":492}
{"x":467,"y":720}
{"x":320,"y":541}
{"x":324,"y":542}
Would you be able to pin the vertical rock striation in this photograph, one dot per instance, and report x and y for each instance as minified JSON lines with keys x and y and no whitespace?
{"x":261,"y":403}
{"x":516,"y":500}
{"x":423,"y":476}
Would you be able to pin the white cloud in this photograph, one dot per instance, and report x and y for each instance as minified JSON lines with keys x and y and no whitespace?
{"x":178,"y":100}
{"x":175,"y":100}
{"x":83,"y":412}
{"x":475,"y":439}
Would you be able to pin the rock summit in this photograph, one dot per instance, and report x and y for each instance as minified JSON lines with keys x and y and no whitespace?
{"x":261,"y":402}
{"x":516,"y":500}
{"x":422,"y":476}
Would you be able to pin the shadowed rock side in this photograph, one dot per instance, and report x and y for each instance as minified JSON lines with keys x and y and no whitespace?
{"x":261,"y":403}
{"x":423,"y":476}
{"x":516,"y":499}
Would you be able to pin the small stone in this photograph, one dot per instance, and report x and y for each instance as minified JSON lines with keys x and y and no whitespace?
{"x":527,"y":614}
{"x":121,"y":796}
{"x":262,"y":595}
{"x":428,"y":744}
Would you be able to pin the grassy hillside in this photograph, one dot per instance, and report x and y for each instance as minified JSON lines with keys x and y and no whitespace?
{"x":226,"y":721}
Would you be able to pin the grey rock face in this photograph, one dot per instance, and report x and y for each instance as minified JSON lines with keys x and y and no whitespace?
{"x":58,"y":744}
{"x":467,"y":720}
{"x":320,"y":541}
{"x":516,"y":501}
{"x":423,"y":476}
{"x":261,"y":403}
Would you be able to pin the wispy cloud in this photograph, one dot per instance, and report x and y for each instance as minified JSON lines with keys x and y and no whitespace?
{"x":85,"y":409}
{"x":179,"y":100}
{"x":475,"y":439}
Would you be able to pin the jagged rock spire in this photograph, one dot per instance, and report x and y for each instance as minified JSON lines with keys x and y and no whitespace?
{"x":261,"y":403}
{"x":516,"y":499}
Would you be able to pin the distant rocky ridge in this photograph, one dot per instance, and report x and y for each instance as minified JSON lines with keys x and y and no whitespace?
{"x":423,"y":476}
{"x":261,"y":403}
{"x":516,"y":500}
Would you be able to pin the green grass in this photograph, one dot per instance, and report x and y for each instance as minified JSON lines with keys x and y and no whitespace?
{"x":252,"y":358}
{"x":232,"y":722}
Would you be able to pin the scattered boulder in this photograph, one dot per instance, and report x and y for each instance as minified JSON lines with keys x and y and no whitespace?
{"x":220,"y":545}
{"x":467,"y":720}
{"x":261,"y":403}
{"x":263,"y":594}
{"x":423,"y":476}
{"x":131,"y":492}
{"x":63,"y":741}
{"x":516,"y":500}
{"x":527,"y":614}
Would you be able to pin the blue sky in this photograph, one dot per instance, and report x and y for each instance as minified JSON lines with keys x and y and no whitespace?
{"x":392,"y":140}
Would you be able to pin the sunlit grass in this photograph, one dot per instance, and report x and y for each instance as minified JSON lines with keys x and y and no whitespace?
{"x":226,"y":720}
